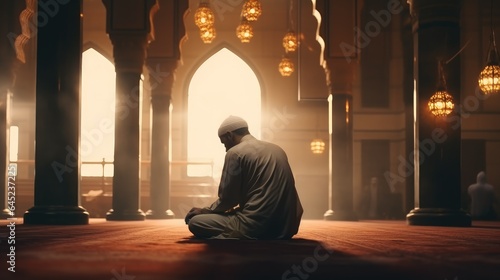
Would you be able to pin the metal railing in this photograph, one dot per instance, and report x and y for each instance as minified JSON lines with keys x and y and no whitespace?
{"x":105,"y":163}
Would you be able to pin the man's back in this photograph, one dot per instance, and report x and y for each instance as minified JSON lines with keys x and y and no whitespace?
{"x":257,"y":198}
{"x":270,"y":207}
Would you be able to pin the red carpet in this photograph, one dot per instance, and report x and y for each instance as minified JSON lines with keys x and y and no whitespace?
{"x":165,"y":249}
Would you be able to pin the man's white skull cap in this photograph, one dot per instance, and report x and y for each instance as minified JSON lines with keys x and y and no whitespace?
{"x":231,"y":123}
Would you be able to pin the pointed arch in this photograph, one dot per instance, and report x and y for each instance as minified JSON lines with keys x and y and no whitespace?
{"x":224,"y":84}
{"x":102,"y":50}
{"x":97,"y":112}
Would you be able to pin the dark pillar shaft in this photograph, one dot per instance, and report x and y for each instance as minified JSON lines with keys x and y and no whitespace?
{"x":161,"y":79}
{"x":407,"y":43}
{"x":126,"y":177}
{"x":57,"y":161}
{"x":128,"y":26}
{"x":437,"y":140}
{"x":160,"y":151}
{"x":341,"y":192}
{"x":129,"y":53}
{"x":163,"y":58}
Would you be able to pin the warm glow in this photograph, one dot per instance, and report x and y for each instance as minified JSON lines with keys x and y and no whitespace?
{"x":207,"y":34}
{"x":204,"y":17}
{"x":244,"y":31}
{"x":489,"y":79}
{"x":441,"y":104}
{"x":290,"y":42}
{"x":13,"y":143}
{"x":346,"y":111}
{"x":223,"y":85}
{"x":252,"y":10}
{"x":317,"y":146}
{"x":97,"y":113}
{"x":286,"y":67}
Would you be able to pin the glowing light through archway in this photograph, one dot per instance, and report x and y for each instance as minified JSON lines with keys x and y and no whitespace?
{"x":223,"y":85}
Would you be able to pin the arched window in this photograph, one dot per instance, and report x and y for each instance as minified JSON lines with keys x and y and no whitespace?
{"x":97,"y":114}
{"x":223,"y":85}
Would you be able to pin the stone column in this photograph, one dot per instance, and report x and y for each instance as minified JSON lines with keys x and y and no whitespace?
{"x":337,"y":32}
{"x":57,"y":161}
{"x":161,"y":93}
{"x":407,"y":43}
{"x":341,"y":157}
{"x":162,"y":61}
{"x":436,"y":37}
{"x":129,"y":28}
{"x":129,"y":54}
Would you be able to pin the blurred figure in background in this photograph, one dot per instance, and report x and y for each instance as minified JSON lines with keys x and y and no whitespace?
{"x":482,"y":198}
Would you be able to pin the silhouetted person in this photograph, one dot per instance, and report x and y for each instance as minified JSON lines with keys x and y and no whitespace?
{"x":482,"y":198}
{"x":373,"y":208}
{"x":257,"y":195}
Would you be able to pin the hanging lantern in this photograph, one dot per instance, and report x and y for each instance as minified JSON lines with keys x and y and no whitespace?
{"x":489,"y":78}
{"x":286,"y":67}
{"x":244,"y":31}
{"x":290,"y":41}
{"x":207,"y":34}
{"x":204,"y":16}
{"x":251,"y":10}
{"x":317,"y":146}
{"x":441,"y":103}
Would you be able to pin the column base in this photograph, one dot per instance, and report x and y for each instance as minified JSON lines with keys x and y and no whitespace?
{"x":331,"y":215}
{"x":153,"y":214}
{"x":5,"y":214}
{"x":125,"y":215}
{"x":56,"y":215}
{"x":438,"y":217}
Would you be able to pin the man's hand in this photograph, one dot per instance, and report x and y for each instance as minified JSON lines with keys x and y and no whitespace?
{"x":196,"y":211}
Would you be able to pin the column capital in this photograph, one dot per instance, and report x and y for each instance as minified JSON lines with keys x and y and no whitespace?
{"x":129,"y":52}
{"x":161,"y":75}
{"x":129,"y":17}
{"x":130,"y":28}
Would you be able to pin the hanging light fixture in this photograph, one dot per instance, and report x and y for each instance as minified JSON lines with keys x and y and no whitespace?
{"x":286,"y":66}
{"x":317,"y":146}
{"x":252,"y":10}
{"x":204,"y":16}
{"x":244,"y":31}
{"x":441,"y":102}
{"x":207,"y":34}
{"x":489,"y":78}
{"x":290,"y":41}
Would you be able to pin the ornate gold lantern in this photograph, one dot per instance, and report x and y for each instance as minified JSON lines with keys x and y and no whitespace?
{"x":286,"y":66}
{"x":290,"y":41}
{"x":251,"y":10}
{"x":204,"y":16}
{"x":244,"y":31}
{"x":207,"y":34}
